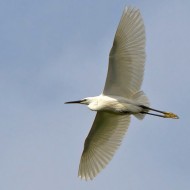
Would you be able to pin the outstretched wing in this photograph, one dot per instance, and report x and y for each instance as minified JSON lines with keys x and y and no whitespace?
{"x":127,"y":56}
{"x":101,"y":143}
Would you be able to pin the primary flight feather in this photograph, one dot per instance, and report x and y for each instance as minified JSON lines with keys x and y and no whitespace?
{"x":121,"y":96}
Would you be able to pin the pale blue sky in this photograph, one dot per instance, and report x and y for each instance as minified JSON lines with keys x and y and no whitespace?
{"x":56,"y":51}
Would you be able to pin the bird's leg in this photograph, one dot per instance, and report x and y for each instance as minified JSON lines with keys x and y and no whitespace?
{"x":143,"y":112}
{"x":165,"y":114}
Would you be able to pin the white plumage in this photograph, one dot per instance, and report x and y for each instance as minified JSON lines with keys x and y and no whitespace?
{"x":127,"y":56}
{"x":121,"y":96}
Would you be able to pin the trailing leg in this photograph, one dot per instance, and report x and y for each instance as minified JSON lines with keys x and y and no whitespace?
{"x":165,"y":114}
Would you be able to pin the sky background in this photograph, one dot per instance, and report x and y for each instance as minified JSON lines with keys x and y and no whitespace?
{"x":57,"y":51}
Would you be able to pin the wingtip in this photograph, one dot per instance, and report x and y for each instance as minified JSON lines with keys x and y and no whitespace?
{"x":131,"y":8}
{"x":84,"y":177}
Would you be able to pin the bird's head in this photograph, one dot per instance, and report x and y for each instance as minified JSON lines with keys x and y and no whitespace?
{"x":85,"y":101}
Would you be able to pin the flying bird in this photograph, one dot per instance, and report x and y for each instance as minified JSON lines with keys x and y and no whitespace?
{"x":121,"y":97}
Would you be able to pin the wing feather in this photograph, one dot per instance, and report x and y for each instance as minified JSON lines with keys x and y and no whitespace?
{"x":127,"y":56}
{"x":101,"y":143}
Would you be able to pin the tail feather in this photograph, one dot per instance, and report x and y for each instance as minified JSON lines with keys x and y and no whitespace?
{"x":141,"y":99}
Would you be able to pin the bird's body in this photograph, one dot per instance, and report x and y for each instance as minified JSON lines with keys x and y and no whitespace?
{"x":115,"y":104}
{"x":121,"y":97}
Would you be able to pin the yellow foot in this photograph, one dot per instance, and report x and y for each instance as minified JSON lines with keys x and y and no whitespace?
{"x":170,"y":115}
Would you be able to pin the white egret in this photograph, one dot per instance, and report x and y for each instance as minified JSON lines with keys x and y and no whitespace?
{"x":120,"y":98}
